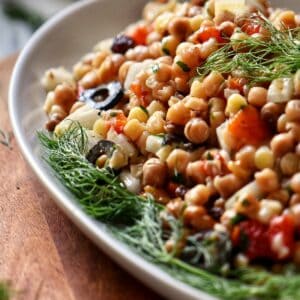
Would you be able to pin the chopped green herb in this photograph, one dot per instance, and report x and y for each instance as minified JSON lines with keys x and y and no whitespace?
{"x":144,"y":109}
{"x":166,"y":51}
{"x":237,"y":219}
{"x":155,"y":68}
{"x":183,"y":66}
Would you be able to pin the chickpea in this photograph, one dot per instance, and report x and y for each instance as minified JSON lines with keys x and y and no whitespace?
{"x":182,"y":84}
{"x":80,"y":69}
{"x":224,"y":16}
{"x":178,"y":161}
{"x":175,"y":207}
{"x":227,"y":185}
{"x":295,"y":199}
{"x":153,"y":36}
{"x":178,"y":114}
{"x":169,"y":45}
{"x":227,"y":28}
{"x":190,"y":55}
{"x":208,"y":47}
{"x":281,"y":195}
{"x":141,"y":142}
{"x":193,"y":172}
{"x":270,"y":112}
{"x":290,"y":164}
{"x":49,"y":102}
{"x":296,"y":212}
{"x":123,"y":71}
{"x":281,"y":123}
{"x":57,"y":110}
{"x":282,"y":144}
{"x":64,"y":96}
{"x":198,"y":195}
{"x":294,"y":129}
{"x":90,"y":80}
{"x":267,"y":180}
{"x":196,"y":216}
{"x":99,"y":58}
{"x":212,"y":83}
{"x":163,"y":73}
{"x":155,"y":50}
{"x":197,"y":104}
{"x":286,"y":19}
{"x":156,"y":123}
{"x":247,"y":205}
{"x":196,"y":131}
{"x":246,"y":157}
{"x":292,"y":111}
{"x":163,"y":91}
{"x":217,"y":104}
{"x":138,"y":53}
{"x":295,"y":183}
{"x":258,"y":96}
{"x":155,"y":173}
{"x":180,"y":27}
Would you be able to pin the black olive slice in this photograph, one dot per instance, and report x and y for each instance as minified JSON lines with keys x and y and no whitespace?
{"x":103,"y":97}
{"x":102,"y":147}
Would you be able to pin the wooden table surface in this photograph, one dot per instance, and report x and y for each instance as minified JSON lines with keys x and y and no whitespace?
{"x":41,"y":252}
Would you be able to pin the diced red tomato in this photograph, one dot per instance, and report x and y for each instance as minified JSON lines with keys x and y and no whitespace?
{"x":140,"y":93}
{"x":247,"y":127}
{"x":285,"y":226}
{"x":207,"y":32}
{"x":251,"y":28}
{"x":118,"y":122}
{"x":252,"y":237}
{"x":139,"y":34}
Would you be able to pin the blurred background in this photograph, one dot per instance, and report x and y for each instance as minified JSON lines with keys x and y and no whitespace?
{"x":20,"y":18}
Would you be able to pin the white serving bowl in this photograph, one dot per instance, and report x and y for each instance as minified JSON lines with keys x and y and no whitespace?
{"x":61,"y":42}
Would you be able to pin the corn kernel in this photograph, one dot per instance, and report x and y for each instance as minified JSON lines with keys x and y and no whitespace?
{"x":101,"y":127}
{"x":138,"y":113}
{"x":133,"y":129}
{"x":164,"y":153}
{"x":264,"y":158}
{"x":197,"y":89}
{"x":235,"y":103}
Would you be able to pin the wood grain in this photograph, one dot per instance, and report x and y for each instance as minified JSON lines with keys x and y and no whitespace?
{"x":41,"y":252}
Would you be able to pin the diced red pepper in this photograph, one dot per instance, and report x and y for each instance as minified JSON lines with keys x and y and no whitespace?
{"x":251,"y":28}
{"x":253,"y":238}
{"x":247,"y":127}
{"x":235,"y":83}
{"x":118,"y":122}
{"x":285,"y":226}
{"x":207,"y":32}
{"x":140,"y":93}
{"x":139,"y":34}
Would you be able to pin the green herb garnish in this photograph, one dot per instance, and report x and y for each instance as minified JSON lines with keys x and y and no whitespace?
{"x":155,"y":68}
{"x":136,"y":221}
{"x":144,"y":109}
{"x":258,"y":60}
{"x":166,"y":51}
{"x":183,"y":66}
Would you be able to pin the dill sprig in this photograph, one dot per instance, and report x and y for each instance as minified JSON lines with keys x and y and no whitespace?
{"x":137,"y":221}
{"x":5,"y":291}
{"x":258,"y":60}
